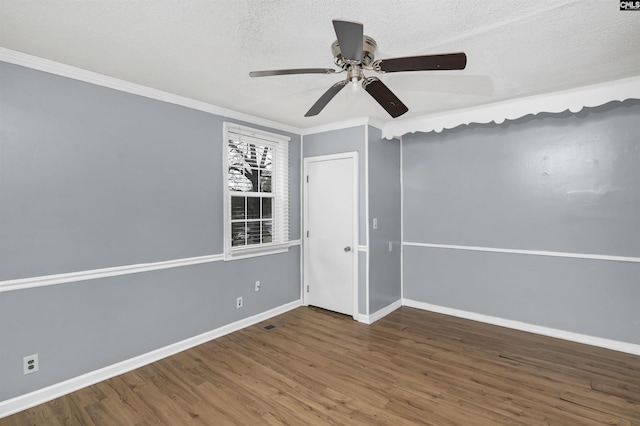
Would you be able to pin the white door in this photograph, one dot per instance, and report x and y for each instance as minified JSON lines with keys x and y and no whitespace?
{"x":330,"y":262}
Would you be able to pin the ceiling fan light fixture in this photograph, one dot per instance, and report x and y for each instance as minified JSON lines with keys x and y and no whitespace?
{"x":354,"y":84}
{"x":354,"y":75}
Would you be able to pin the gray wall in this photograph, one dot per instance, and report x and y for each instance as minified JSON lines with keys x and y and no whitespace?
{"x":384,"y":204}
{"x":362,"y":282}
{"x":92,"y":178}
{"x":591,"y":297}
{"x":351,"y":139}
{"x":564,"y":183}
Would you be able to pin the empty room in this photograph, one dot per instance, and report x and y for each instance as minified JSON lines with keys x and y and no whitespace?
{"x":295,"y":212}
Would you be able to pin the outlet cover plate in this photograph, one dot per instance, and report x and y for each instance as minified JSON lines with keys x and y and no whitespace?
{"x":30,"y":364}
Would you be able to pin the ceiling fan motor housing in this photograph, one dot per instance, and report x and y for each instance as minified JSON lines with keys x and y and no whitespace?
{"x":369,"y":47}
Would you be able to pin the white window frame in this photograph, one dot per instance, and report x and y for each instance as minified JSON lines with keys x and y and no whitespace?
{"x":280,"y":191}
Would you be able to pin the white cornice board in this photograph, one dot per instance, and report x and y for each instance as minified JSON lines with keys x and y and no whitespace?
{"x":573,"y":100}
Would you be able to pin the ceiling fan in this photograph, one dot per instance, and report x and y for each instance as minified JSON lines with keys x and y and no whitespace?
{"x":355,"y":52}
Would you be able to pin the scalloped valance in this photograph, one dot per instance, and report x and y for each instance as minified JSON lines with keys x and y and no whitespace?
{"x":573,"y":100}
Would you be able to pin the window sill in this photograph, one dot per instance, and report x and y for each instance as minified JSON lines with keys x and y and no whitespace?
{"x":249,"y":252}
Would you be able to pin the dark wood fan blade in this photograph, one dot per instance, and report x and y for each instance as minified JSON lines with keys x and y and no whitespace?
{"x":385,"y":97}
{"x":448,"y":61}
{"x":324,"y":99}
{"x":349,"y":38}
{"x":292,"y":71}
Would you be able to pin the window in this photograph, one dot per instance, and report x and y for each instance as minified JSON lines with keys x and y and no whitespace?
{"x":256,"y":192}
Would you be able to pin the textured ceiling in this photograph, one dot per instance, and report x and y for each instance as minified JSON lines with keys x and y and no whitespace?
{"x":204,"y":50}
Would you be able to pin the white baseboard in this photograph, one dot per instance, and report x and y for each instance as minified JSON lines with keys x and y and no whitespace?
{"x":370,"y":319}
{"x":615,"y":345}
{"x":40,"y":396}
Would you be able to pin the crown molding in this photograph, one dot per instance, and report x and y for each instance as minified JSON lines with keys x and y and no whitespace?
{"x":573,"y":100}
{"x":378,"y":124}
{"x":346,"y":124}
{"x":361,"y":121}
{"x":63,"y":70}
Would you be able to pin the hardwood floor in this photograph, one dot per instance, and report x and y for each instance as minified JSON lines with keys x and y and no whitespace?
{"x":411,"y":367}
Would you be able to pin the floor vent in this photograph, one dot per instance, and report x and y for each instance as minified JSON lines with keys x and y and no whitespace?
{"x":269,"y":327}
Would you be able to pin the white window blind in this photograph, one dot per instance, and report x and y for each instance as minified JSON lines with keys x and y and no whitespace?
{"x":256,"y":187}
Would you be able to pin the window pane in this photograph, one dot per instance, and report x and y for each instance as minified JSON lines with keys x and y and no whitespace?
{"x":238,"y":234}
{"x":237,"y":181}
{"x":237,"y":153}
{"x":267,"y":226}
{"x":237,"y":166}
{"x":253,"y":208}
{"x":245,"y":162}
{"x":265,"y":181}
{"x":262,"y":156}
{"x":251,"y":176}
{"x":237,"y":208}
{"x":251,"y":157}
{"x":266,"y":208}
{"x":253,"y":232}
{"x":268,"y":161}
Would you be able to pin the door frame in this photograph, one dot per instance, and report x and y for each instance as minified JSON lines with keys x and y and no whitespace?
{"x":354,"y":238}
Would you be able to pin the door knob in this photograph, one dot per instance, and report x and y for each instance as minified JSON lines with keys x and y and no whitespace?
{"x":347,"y":248}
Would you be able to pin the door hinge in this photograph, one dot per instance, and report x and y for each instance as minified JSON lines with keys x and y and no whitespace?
{"x":307,"y":234}
{"x":307,"y":289}
{"x":307,"y":178}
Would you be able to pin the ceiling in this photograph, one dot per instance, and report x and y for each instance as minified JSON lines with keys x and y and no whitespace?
{"x":204,"y":50}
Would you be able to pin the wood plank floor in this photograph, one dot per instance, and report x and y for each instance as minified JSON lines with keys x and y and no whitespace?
{"x":411,"y":367}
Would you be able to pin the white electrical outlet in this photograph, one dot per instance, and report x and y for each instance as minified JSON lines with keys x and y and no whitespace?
{"x":390,"y":246}
{"x":239,"y":302}
{"x":30,"y":364}
{"x":257,"y":288}
{"x":375,"y":223}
